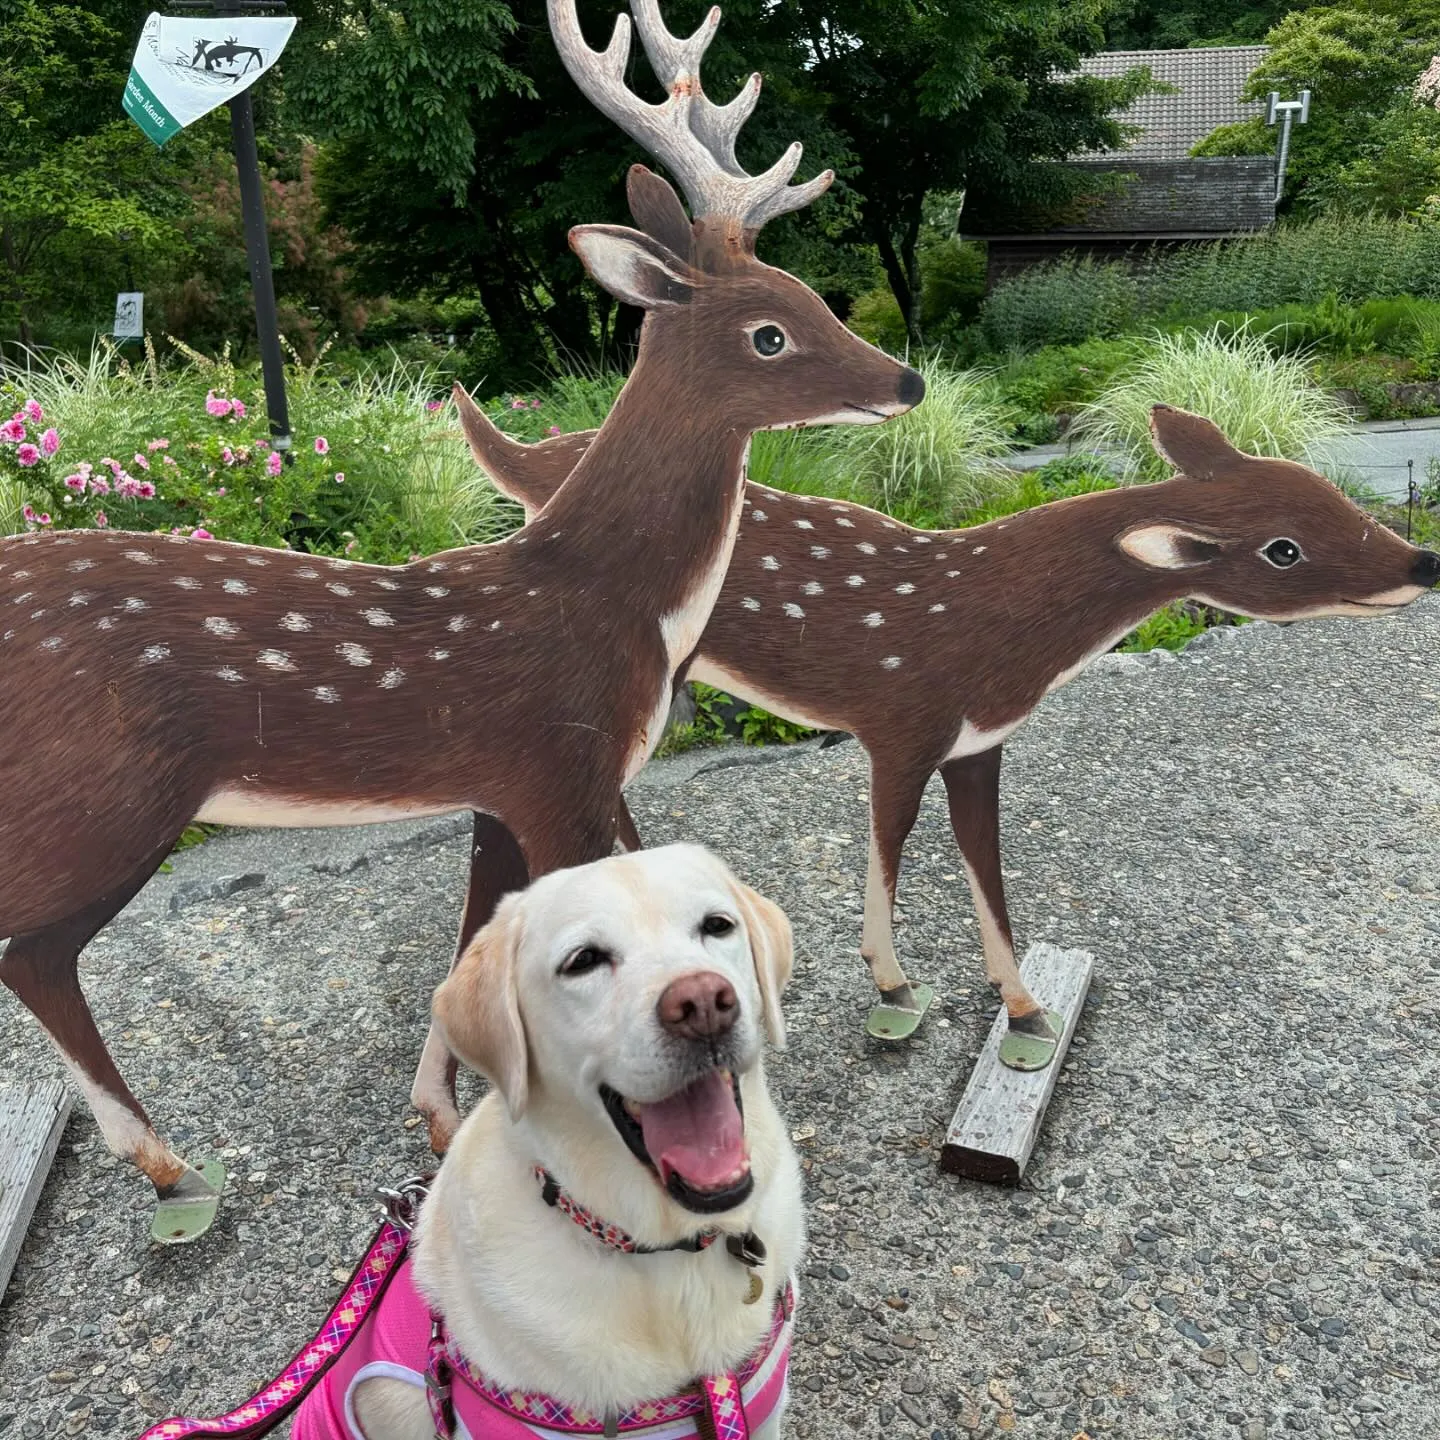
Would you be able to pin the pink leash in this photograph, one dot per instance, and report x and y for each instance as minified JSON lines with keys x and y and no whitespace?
{"x":279,"y":1399}
{"x":260,"y":1415}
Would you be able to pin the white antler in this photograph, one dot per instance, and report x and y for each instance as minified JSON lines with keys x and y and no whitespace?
{"x":691,"y":136}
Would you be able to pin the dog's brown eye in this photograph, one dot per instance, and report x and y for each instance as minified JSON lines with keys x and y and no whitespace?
{"x":716,"y":925}
{"x":590,"y":958}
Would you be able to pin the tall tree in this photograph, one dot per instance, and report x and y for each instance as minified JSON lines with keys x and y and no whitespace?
{"x":470,"y":174}
{"x":1360,"y":67}
{"x":82,"y":192}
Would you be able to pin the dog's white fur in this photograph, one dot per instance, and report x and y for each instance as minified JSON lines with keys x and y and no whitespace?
{"x":532,"y":1300}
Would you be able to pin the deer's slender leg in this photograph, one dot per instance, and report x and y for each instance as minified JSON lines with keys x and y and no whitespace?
{"x":895,"y":794}
{"x":972,"y":785}
{"x":41,"y":970}
{"x":497,"y":867}
{"x":629,"y":836}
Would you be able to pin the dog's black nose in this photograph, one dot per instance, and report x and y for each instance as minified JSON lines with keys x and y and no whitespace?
{"x":1427,"y":568}
{"x":698,"y":1007}
{"x":911,"y":390}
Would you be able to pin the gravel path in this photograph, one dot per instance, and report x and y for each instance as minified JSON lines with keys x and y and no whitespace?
{"x":1230,"y":1227}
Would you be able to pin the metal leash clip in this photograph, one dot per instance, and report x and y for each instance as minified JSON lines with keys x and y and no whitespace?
{"x":401,"y":1205}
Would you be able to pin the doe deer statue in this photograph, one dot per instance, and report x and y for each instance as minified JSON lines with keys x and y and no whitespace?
{"x":525,"y":681}
{"x":933,"y":647}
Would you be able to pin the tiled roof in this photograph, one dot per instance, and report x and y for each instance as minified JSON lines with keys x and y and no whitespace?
{"x":1209,"y":81}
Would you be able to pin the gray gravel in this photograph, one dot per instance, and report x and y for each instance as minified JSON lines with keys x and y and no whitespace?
{"x":1229,"y":1228}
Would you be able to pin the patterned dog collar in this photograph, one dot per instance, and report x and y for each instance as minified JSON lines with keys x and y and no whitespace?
{"x":603,"y":1231}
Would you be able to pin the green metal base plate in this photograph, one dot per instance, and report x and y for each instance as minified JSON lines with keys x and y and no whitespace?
{"x":892,"y":1022}
{"x":1030,"y":1052}
{"x":181,"y":1220}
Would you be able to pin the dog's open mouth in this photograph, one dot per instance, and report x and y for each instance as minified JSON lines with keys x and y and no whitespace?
{"x":694,"y":1141}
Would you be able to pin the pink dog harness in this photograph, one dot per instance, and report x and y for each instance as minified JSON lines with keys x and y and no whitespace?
{"x":383,"y":1328}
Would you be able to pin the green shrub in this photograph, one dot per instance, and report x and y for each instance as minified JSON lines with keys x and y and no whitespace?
{"x":378,"y":471}
{"x":1063,"y":303}
{"x":1060,"y":479}
{"x":952,"y":287}
{"x":1266,"y":404}
{"x":1355,"y":259}
{"x":941,"y":457}
{"x":1174,"y":627}
{"x":1059,"y":378}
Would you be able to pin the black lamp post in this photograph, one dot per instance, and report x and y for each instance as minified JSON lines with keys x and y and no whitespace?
{"x":252,"y":209}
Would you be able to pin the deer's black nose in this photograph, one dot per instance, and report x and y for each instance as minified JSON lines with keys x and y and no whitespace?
{"x":1427,"y":568}
{"x":912,"y":387}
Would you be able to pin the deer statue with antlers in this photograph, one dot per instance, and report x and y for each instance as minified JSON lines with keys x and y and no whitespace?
{"x":933,"y":647}
{"x":525,"y":680}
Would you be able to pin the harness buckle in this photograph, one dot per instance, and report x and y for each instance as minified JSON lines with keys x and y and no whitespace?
{"x":401,"y":1206}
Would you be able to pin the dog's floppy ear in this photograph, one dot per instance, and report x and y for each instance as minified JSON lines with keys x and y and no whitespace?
{"x":478,"y":1007}
{"x":773,"y":951}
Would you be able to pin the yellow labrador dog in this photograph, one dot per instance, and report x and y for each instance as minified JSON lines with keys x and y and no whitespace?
{"x":615,"y":1231}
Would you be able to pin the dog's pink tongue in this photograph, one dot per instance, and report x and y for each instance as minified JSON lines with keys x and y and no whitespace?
{"x":697,"y":1134}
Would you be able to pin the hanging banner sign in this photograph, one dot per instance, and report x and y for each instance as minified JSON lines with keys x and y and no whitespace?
{"x":185,"y":66}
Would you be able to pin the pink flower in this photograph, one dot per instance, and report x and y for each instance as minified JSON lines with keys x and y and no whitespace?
{"x":99,"y":486}
{"x":554,"y":430}
{"x":221,"y":491}
{"x":534,"y":404}
{"x":50,"y":441}
{"x":433,"y":405}
{"x":141,"y":461}
{"x":33,"y":411}
{"x":84,"y":468}
{"x":262,"y":444}
{"x":44,"y":519}
{"x":147,"y":490}
{"x":29,"y":513}
{"x":100,"y":520}
{"x":13,"y":430}
{"x":228,"y":455}
{"x":28,"y":455}
{"x":127,"y":487}
{"x":237,"y":409}
{"x":217,"y":407}
{"x":155,"y":445}
{"x":169,"y":460}
{"x":112,"y":465}
{"x":273,"y":464}
{"x":322,"y":445}
{"x":339,"y":477}
{"x":75,"y":483}
{"x":517,"y":403}
{"x":201,"y":533}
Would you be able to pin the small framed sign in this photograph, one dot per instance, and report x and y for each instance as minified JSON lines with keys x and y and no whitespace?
{"x":129,"y":316}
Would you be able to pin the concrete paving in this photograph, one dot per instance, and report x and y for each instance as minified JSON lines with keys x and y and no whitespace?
{"x":1230,"y":1229}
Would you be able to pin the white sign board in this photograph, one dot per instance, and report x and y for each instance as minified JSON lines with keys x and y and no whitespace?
{"x":129,"y":316}
{"x":185,"y":66}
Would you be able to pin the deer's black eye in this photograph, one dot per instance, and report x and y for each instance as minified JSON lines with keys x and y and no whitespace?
{"x":590,"y":957}
{"x":1282,"y":554}
{"x":769,"y":340}
{"x":716,"y":925}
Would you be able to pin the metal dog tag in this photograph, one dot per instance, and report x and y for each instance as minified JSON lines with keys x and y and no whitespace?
{"x":757,"y":1288}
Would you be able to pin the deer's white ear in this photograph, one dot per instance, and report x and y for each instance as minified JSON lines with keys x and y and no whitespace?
{"x":773,"y":950}
{"x":478,"y":1008}
{"x":1169,"y":547}
{"x":633,"y":267}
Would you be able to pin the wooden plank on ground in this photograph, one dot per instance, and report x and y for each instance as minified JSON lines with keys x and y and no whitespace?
{"x":32,"y":1117}
{"x":998,"y":1119}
